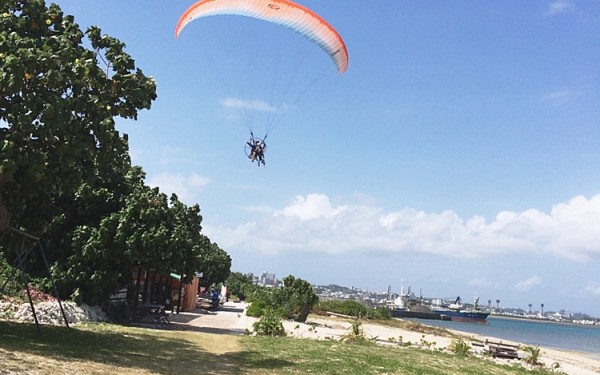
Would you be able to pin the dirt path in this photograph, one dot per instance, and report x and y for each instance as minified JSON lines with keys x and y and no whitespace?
{"x":229,"y":319}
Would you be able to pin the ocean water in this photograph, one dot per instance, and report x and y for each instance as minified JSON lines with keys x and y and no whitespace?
{"x":564,"y":336}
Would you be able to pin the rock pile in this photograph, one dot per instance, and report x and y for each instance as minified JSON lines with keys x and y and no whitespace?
{"x":49,"y":312}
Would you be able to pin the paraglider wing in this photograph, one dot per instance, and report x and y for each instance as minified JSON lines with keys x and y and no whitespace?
{"x":283,"y":12}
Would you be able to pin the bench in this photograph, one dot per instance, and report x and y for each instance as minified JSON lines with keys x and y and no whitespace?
{"x":150,"y":314}
{"x":499,"y":349}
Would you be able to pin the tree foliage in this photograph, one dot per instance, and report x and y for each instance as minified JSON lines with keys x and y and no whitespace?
{"x":65,"y":171}
{"x":238,"y":284}
{"x":295,"y":299}
{"x":58,"y":100}
{"x":216,"y":264}
{"x":148,"y":230}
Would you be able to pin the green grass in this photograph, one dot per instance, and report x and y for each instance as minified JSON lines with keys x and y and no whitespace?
{"x":296,"y":356}
{"x":105,"y":348}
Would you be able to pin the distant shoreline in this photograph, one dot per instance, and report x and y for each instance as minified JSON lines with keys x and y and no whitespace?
{"x":538,"y":320}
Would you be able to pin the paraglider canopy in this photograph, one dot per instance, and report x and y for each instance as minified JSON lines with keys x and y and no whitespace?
{"x":283,"y":12}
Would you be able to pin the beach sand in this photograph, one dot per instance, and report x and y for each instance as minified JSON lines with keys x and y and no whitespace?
{"x":231,"y":319}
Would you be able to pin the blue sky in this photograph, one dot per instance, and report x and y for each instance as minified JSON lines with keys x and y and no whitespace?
{"x":459,"y":153}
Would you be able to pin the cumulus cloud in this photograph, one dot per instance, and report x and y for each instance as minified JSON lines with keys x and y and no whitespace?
{"x":314,"y":224}
{"x":558,"y":7}
{"x":528,"y":284}
{"x":313,"y":206}
{"x":186,"y":187}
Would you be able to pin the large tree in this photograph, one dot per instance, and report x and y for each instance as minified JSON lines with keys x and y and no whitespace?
{"x":149,"y":231}
{"x":65,"y":171}
{"x":216,"y":264}
{"x":238,"y":283}
{"x":58,"y":101}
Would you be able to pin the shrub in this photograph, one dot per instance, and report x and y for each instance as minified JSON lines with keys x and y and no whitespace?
{"x":379,"y":313}
{"x":533,"y":357}
{"x":356,"y":334}
{"x":346,"y":307}
{"x":257,"y":308}
{"x":460,"y":347}
{"x":295,"y":299}
{"x":269,"y":325}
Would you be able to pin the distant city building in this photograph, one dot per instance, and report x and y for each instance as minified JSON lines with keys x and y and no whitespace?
{"x":268,"y":279}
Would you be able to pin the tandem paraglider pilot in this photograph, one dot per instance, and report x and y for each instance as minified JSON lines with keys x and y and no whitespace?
{"x":257,"y":150}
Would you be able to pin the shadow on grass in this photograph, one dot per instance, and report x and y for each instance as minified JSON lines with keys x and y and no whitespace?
{"x":219,"y":331}
{"x":161,"y":351}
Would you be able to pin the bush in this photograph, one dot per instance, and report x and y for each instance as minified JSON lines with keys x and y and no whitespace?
{"x":269,"y":325}
{"x":460,"y":347}
{"x":356,"y":334}
{"x":256,"y":292}
{"x":347,"y":307}
{"x":295,"y":299}
{"x":257,"y":308}
{"x":534,"y":354}
{"x":379,"y":313}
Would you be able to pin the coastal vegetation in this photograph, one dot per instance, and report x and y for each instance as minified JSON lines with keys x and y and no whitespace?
{"x":106,"y":348}
{"x":66,"y":175}
{"x":294,"y":300}
{"x":352,"y":308}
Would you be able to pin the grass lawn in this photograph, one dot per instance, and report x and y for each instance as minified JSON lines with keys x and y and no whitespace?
{"x":98,"y":348}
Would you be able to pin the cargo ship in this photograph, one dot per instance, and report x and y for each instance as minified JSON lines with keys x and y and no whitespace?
{"x":408,"y":305}
{"x":458,"y":313}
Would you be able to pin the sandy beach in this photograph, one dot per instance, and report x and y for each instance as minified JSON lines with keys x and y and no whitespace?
{"x":231,"y":319}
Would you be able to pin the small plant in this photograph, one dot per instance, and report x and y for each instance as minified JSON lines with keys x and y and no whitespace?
{"x":534,"y":353}
{"x":356,"y":334}
{"x":460,"y":347}
{"x":269,"y":325}
{"x":7,"y":314}
{"x":426,"y":344}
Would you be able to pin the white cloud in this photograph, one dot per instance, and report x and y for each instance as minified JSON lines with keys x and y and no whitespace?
{"x":186,"y":187}
{"x":528,"y":284}
{"x":558,"y":7}
{"x":254,"y":105}
{"x":560,"y":96}
{"x":592,"y":288}
{"x":481,"y":282}
{"x":314,"y":206}
{"x":313,"y":224}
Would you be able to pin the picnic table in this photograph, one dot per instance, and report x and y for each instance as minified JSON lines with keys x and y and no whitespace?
{"x":499,"y":349}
